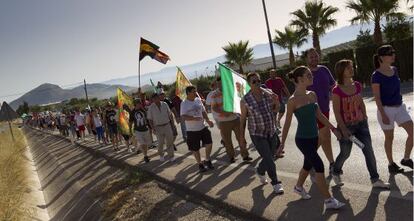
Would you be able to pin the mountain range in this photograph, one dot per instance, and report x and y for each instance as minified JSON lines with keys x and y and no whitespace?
{"x":49,"y":93}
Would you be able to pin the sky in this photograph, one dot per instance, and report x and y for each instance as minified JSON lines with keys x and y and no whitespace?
{"x":65,"y":41}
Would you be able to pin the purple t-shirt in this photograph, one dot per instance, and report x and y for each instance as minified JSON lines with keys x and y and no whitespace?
{"x":323,"y":83}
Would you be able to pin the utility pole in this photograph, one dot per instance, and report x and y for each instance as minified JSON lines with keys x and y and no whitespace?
{"x":269,"y":35}
{"x":86,"y":91}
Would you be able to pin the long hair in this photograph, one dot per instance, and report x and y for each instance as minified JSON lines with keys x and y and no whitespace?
{"x":340,"y":67}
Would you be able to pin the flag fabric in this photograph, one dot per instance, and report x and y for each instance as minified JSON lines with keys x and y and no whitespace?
{"x":123,"y":115}
{"x":181,"y":83}
{"x":154,"y":88}
{"x":147,"y":48}
{"x":234,"y":87}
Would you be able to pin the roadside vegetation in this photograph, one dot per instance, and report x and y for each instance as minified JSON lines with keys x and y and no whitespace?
{"x":13,"y":176}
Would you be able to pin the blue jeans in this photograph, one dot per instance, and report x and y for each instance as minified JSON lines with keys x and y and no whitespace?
{"x":266,"y":146}
{"x":360,"y":131}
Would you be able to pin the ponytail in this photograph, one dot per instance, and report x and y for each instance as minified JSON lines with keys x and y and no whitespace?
{"x":376,"y":60}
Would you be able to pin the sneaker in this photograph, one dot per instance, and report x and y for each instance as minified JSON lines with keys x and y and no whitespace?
{"x":201,"y":168}
{"x":394,"y":168}
{"x":146,"y":159}
{"x":262,"y":178}
{"x":172,"y":159}
{"x":333,"y":203}
{"x":380,"y":184}
{"x":302,"y":192}
{"x":407,"y":163}
{"x":208,"y":164}
{"x":337,"y":180}
{"x":247,"y":159}
{"x":278,"y":188}
{"x":129,"y":150}
{"x":162,"y":159}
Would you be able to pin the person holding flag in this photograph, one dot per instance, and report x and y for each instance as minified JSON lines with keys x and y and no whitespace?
{"x":259,"y":106}
{"x":228,"y":122}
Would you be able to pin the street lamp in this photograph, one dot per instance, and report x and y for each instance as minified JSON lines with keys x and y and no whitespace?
{"x":269,"y":36}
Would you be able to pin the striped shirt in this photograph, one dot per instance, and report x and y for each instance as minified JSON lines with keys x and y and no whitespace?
{"x":217,"y":102}
{"x":260,"y":115}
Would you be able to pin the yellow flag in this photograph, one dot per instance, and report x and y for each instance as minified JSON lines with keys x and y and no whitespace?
{"x":124,"y":99}
{"x":181,"y":83}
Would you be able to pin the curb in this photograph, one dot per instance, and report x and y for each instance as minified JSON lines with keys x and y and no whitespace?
{"x":180,"y":190}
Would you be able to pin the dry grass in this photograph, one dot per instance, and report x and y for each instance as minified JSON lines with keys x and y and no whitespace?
{"x":13,"y":176}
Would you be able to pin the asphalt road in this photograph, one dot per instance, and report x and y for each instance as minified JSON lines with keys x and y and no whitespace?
{"x":356,"y":176}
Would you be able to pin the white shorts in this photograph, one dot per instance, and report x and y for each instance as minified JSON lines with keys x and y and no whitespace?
{"x":143,"y":137}
{"x":398,"y":115}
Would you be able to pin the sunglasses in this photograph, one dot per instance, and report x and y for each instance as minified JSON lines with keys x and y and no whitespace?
{"x":255,"y":81}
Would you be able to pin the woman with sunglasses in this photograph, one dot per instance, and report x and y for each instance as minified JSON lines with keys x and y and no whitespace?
{"x":303,"y":104}
{"x":387,"y":94}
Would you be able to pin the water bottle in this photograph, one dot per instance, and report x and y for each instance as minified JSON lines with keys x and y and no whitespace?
{"x":356,"y":141}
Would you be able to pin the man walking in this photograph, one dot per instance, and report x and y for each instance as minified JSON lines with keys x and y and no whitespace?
{"x":110,"y":118}
{"x":228,"y":122}
{"x":323,"y":82}
{"x":259,"y":106}
{"x":159,"y":116}
{"x":138,"y":119}
{"x":194,"y":114}
{"x":277,"y":85}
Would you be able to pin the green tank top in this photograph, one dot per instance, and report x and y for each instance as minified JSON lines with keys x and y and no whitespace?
{"x":306,"y":116}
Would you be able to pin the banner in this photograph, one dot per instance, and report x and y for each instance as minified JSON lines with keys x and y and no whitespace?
{"x":125,"y":104}
{"x":234,"y":87}
{"x":181,"y":83}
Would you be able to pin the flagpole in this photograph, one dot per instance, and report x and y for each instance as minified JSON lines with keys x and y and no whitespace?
{"x":232,"y":70}
{"x":139,"y":66}
{"x":139,"y":73}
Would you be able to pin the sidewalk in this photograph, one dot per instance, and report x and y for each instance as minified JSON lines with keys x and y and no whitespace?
{"x":236,"y":187}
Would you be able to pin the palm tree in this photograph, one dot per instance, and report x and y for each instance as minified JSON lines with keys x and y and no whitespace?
{"x":289,"y":39}
{"x":315,"y":17}
{"x":238,"y":54}
{"x":373,"y":10}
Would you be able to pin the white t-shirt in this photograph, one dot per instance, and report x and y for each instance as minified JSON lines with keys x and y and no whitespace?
{"x":80,"y":120}
{"x":97,"y":121}
{"x":195,"y":109}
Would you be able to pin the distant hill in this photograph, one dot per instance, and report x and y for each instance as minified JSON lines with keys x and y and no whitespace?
{"x":50,"y":93}
{"x":207,"y":67}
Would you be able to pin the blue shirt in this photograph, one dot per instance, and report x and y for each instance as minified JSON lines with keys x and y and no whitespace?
{"x":389,"y":87}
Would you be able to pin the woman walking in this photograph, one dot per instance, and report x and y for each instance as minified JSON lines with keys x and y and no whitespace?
{"x":387,"y":94}
{"x":351,"y":116}
{"x":303,"y":104}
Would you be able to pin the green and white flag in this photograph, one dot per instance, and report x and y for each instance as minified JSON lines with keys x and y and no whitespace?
{"x":234,"y":87}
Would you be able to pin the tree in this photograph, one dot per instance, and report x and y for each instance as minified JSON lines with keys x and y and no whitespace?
{"x":23,"y":108}
{"x":238,"y":54}
{"x":398,"y":28}
{"x":373,"y":10}
{"x":364,"y":38}
{"x":315,"y":17}
{"x":289,"y":39}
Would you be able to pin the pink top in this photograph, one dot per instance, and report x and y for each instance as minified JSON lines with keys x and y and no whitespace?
{"x":276,"y":85}
{"x":350,"y":105}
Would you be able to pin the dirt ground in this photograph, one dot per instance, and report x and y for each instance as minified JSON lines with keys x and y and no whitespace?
{"x":137,"y":197}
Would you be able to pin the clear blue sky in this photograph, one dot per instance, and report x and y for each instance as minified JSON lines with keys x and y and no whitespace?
{"x":63,"y":42}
